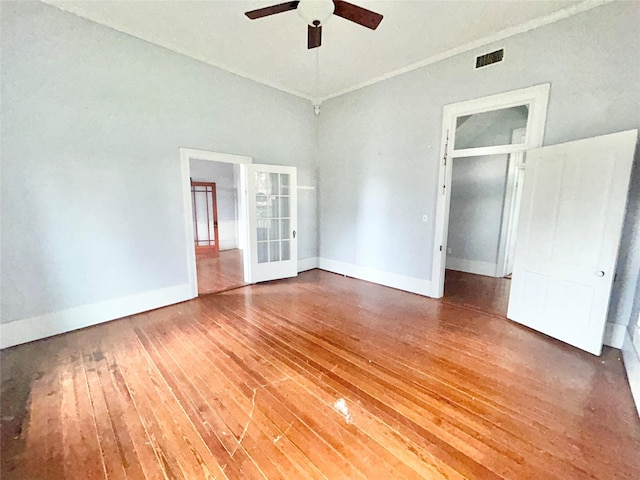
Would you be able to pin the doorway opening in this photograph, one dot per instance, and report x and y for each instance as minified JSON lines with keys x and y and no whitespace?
{"x":217,"y":224}
{"x":262,"y":240}
{"x":214,"y":193}
{"x":483,"y":150}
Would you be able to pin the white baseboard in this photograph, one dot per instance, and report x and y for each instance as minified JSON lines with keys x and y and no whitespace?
{"x":227,"y":235}
{"x":471,"y":266}
{"x":394,"y":280}
{"x":614,"y":334}
{"x":47,"y":325}
{"x":632,"y":365}
{"x":305,"y":264}
{"x":228,"y":244}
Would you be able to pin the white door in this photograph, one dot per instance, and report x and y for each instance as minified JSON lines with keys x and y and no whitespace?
{"x":573,"y":206}
{"x":272,"y":205}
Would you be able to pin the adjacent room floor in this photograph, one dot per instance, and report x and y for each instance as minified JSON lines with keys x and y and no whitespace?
{"x":487,"y":294}
{"x":218,"y":272}
{"x":315,"y":377}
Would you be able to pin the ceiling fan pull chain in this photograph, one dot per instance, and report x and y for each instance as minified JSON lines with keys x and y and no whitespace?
{"x":316,"y":88}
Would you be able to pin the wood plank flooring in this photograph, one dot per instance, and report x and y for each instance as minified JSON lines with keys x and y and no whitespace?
{"x":487,"y":294}
{"x":318,"y":377}
{"x":220,"y":271}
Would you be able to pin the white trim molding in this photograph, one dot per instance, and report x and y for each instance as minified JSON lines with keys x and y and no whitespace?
{"x":171,"y":45}
{"x":537,"y":99}
{"x":394,"y":280}
{"x":614,"y":334}
{"x":49,"y":324}
{"x":471,"y":266}
{"x":317,"y":100}
{"x":631,"y":356}
{"x":213,"y":156}
{"x":305,"y":264}
{"x":467,"y":47}
{"x":187,"y":154}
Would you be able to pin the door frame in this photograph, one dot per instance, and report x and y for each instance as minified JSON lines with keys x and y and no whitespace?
{"x":513,"y":193}
{"x":187,"y":154}
{"x":537,"y":98}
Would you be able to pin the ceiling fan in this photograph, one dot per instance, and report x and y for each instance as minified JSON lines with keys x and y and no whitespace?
{"x":317,"y":12}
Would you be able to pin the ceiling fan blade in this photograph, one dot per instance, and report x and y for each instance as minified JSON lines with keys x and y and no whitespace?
{"x":272,"y":10}
{"x":314,"y":36}
{"x":357,"y":14}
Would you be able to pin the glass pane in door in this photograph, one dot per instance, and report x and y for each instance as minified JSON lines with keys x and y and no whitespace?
{"x":263,"y":252}
{"x":272,"y":216}
{"x":489,"y":129}
{"x":204,"y":222}
{"x":284,"y":184}
{"x":286,"y":250}
{"x":284,"y":207}
{"x":274,"y":251}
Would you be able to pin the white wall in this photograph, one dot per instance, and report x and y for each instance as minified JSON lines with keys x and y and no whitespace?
{"x":222,"y":174}
{"x":92,"y":122}
{"x":631,"y":354}
{"x":624,"y":311}
{"x":625,"y":298}
{"x":379,"y":146}
{"x":477,"y":199}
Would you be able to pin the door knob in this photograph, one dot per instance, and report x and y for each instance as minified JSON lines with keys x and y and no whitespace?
{"x":599,"y":273}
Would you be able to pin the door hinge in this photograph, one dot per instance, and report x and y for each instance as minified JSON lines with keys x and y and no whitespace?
{"x":446,"y":149}
{"x":440,"y":247}
{"x":444,"y":160}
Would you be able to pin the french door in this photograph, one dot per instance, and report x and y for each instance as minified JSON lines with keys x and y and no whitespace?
{"x":272,"y":212}
{"x":205,"y":217}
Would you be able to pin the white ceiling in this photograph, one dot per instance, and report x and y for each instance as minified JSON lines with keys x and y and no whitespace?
{"x":273,"y":51}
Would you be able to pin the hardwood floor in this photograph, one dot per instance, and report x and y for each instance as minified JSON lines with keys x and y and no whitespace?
{"x":219,"y":272}
{"x":487,"y":294}
{"x":316,"y":377}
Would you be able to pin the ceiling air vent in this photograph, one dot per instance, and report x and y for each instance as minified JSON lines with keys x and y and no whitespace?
{"x":489,"y":58}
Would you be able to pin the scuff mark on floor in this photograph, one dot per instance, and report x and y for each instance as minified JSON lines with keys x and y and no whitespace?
{"x":275,"y":382}
{"x":279,"y":437}
{"x":341,"y":407}
{"x":253,"y":407}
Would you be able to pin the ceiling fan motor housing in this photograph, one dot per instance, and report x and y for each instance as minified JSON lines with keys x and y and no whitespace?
{"x":313,"y":11}
{"x":317,"y":12}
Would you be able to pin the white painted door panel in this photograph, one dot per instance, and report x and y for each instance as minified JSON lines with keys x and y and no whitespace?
{"x":272,"y":193}
{"x":573,"y":206}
